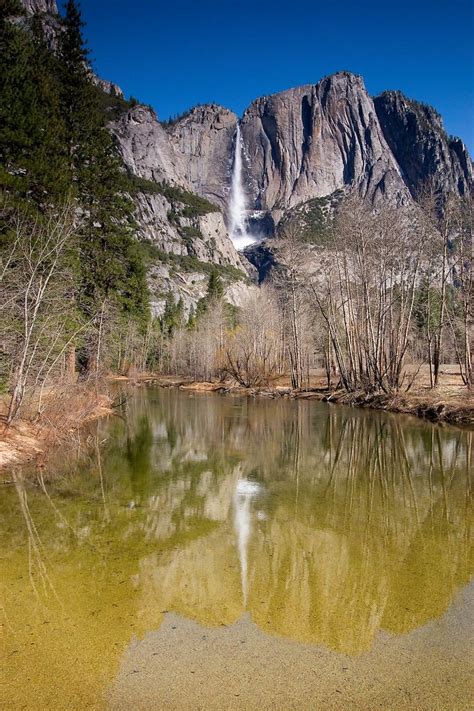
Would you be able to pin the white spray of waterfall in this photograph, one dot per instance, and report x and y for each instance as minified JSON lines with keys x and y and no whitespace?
{"x":239,"y":234}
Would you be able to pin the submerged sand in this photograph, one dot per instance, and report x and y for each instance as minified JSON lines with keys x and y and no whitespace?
{"x":186,"y":666}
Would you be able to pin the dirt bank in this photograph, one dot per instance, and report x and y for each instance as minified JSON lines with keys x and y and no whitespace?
{"x":31,"y":439}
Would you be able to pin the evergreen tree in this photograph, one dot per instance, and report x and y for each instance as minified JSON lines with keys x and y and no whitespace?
{"x":215,"y":288}
{"x":191,"y":319}
{"x":111,"y":266}
{"x":32,"y":129}
{"x":55,"y":147}
{"x":173,"y":315}
{"x":214,"y":293}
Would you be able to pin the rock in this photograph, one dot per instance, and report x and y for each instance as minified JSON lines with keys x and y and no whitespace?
{"x":34,"y":7}
{"x":189,"y":286}
{"x":204,"y":237}
{"x":50,"y":19}
{"x":107,"y":86}
{"x":310,"y":141}
{"x":315,"y":141}
{"x":217,"y":245}
{"x":204,"y":138}
{"x":154,"y":226}
{"x":416,"y":136}
{"x":261,"y":256}
{"x":149,"y":151}
{"x":146,"y":149}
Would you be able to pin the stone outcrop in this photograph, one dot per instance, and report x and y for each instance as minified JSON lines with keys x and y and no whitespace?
{"x":108,"y":86}
{"x":204,"y":138}
{"x":146,"y":149}
{"x":416,"y":136}
{"x":184,"y":246}
{"x":311,"y":141}
{"x":204,"y":237}
{"x":47,"y":11}
{"x":35,"y":7}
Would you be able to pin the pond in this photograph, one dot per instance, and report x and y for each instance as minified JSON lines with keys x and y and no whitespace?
{"x":220,"y":552}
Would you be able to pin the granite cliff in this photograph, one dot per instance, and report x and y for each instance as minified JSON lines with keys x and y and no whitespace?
{"x":416,"y":137}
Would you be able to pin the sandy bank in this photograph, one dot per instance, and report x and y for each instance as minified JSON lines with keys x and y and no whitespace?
{"x":29,"y":441}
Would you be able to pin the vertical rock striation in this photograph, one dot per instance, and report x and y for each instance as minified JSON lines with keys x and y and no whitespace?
{"x":313,"y":140}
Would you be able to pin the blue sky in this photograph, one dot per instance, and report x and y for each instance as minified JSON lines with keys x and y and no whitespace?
{"x":173,"y":54}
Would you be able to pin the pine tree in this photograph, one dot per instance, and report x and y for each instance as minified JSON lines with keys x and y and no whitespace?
{"x":173,"y":315}
{"x":191,"y":319}
{"x":110,"y":259}
{"x":32,"y":130}
{"x":215,"y":288}
{"x":55,"y":148}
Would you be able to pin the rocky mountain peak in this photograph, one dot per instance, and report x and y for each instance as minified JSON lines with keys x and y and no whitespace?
{"x":211,"y":115}
{"x":141,"y":114}
{"x":416,"y":136}
{"x":310,"y":141}
{"x":203,"y":138}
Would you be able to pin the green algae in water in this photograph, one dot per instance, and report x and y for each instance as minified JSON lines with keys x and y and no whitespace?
{"x":325,"y":525}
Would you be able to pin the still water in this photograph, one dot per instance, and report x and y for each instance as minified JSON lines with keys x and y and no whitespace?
{"x":219,"y":552}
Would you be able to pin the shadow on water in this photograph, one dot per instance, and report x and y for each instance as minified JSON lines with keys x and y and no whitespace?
{"x":325,"y":524}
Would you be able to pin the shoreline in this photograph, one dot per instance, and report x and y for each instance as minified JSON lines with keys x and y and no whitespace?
{"x":29,"y":443}
{"x":433,"y":406}
{"x":26,"y":442}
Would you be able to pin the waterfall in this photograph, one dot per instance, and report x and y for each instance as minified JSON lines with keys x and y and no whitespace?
{"x":239,"y":234}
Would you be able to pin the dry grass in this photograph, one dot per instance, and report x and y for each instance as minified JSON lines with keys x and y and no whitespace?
{"x":450,"y":402}
{"x":65,"y":408}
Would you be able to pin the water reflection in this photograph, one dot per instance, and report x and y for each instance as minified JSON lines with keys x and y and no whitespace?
{"x":245,"y":491}
{"x":325,"y":524}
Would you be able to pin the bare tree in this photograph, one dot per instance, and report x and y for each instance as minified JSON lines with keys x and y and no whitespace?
{"x":291,"y":280}
{"x":365,"y":290}
{"x":37,"y":292}
{"x":459,"y":308}
{"x":252,"y":349}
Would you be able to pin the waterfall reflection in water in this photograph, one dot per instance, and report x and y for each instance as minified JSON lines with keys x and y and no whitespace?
{"x":245,"y":491}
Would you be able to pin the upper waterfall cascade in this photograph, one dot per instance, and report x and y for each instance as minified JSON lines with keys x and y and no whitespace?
{"x":239,"y":233}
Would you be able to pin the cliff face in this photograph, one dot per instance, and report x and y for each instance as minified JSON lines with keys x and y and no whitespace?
{"x":416,"y":136}
{"x":169,"y":220}
{"x":204,"y":141}
{"x":35,"y":7}
{"x":311,"y":141}
{"x":146,"y":148}
{"x":316,"y":140}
